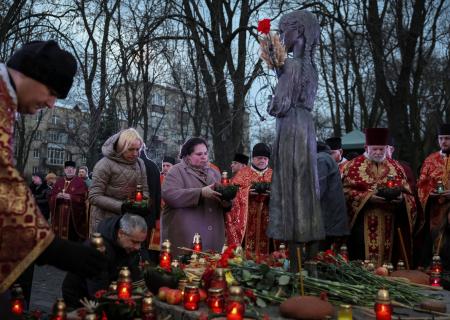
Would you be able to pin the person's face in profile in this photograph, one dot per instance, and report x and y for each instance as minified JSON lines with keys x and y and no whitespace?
{"x":33,"y":96}
{"x":131,"y":242}
{"x":199,"y":157}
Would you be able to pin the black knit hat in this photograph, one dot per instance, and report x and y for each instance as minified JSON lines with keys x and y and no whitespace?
{"x":334,"y":143}
{"x":261,"y":150}
{"x":241,"y":158}
{"x":169,"y":160}
{"x":47,"y":63}
{"x":444,"y":130}
{"x":70,"y":163}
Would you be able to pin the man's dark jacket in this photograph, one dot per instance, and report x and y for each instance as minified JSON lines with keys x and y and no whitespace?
{"x":332,"y":199}
{"x":154,"y":189}
{"x":74,"y":287}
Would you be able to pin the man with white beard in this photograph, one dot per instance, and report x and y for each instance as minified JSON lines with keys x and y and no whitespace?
{"x":374,"y":217}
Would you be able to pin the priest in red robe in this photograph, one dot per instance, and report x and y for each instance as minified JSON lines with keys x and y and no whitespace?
{"x":375,"y":220}
{"x":68,"y":205}
{"x":434,"y":194}
{"x":246,"y":223}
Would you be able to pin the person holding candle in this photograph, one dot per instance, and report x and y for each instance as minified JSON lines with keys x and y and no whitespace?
{"x":124,"y":239}
{"x":33,"y":78}
{"x":374,"y":221}
{"x":116,"y":177}
{"x":248,"y":219}
{"x":191,"y":204}
{"x":436,"y":203}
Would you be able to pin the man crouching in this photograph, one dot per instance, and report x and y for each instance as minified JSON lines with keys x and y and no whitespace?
{"x":124,"y":237}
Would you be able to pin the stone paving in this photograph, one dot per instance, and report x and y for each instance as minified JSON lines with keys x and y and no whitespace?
{"x":46,"y":288}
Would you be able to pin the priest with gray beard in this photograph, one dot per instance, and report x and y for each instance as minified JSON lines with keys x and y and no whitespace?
{"x":378,"y":224}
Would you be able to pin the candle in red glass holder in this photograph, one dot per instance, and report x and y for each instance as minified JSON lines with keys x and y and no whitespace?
{"x":436,"y":265}
{"x":191,"y":297}
{"x":124,"y":284}
{"x":139,"y":195}
{"x":216,"y":300}
{"x":225,"y":180}
{"x":59,"y":310}
{"x":218,"y":280}
{"x":147,"y":308}
{"x":390,"y":181}
{"x":435,"y":279}
{"x":17,"y":300}
{"x":197,"y":242}
{"x":343,"y":251}
{"x":235,"y":306}
{"x":383,"y":307}
{"x":164,"y":257}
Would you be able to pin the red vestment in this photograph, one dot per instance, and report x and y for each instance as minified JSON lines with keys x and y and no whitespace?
{"x":435,"y":167}
{"x":249,"y":215}
{"x":24,"y":232}
{"x":66,"y":214}
{"x":361,"y":177}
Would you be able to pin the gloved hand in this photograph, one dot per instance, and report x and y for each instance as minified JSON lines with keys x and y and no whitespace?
{"x":209,"y":193}
{"x":74,"y":257}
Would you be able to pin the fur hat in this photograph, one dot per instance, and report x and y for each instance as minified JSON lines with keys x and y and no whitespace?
{"x":377,"y":136}
{"x":241,"y":158}
{"x":335,"y":143}
{"x":169,"y":160}
{"x":444,"y":130}
{"x":70,"y":163}
{"x":47,"y":63}
{"x":261,"y":150}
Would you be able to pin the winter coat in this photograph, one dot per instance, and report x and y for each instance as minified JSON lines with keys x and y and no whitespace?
{"x":41,"y":194}
{"x":114,"y":180}
{"x":75,"y":287}
{"x":154,"y":187}
{"x":332,"y":200}
{"x":186,"y":212}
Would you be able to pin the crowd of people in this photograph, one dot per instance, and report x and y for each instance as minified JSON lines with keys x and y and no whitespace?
{"x":55,"y":223}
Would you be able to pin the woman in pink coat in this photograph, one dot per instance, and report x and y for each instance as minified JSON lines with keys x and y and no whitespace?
{"x":191,"y":204}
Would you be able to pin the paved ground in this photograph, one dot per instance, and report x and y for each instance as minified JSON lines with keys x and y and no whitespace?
{"x":46,"y":289}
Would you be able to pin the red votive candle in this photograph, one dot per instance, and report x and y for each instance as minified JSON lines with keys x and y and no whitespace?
{"x":235,"y":310}
{"x":215,"y":300}
{"x":165,"y":258}
{"x":197,"y":242}
{"x":235,"y":306}
{"x":124,"y":290}
{"x":383,"y":307}
{"x":435,"y":279}
{"x":17,"y":307}
{"x":191,"y":297}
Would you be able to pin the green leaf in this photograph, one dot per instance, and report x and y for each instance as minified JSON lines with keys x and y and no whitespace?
{"x":260,"y":302}
{"x":283,"y":280}
{"x":246,"y":275}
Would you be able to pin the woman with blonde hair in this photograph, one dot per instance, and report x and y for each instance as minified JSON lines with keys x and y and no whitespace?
{"x":116,"y":176}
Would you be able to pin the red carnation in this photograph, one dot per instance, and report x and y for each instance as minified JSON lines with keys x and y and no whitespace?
{"x":99,"y":294}
{"x":264,"y":26}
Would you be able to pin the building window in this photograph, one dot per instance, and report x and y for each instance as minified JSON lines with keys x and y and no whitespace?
{"x":83,"y":159}
{"x":71,"y":123}
{"x":158,"y":99}
{"x":38,"y":135}
{"x":55,"y":155}
{"x":57,"y":137}
{"x":35,"y":153}
{"x":54,"y":119}
{"x":35,"y":169}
